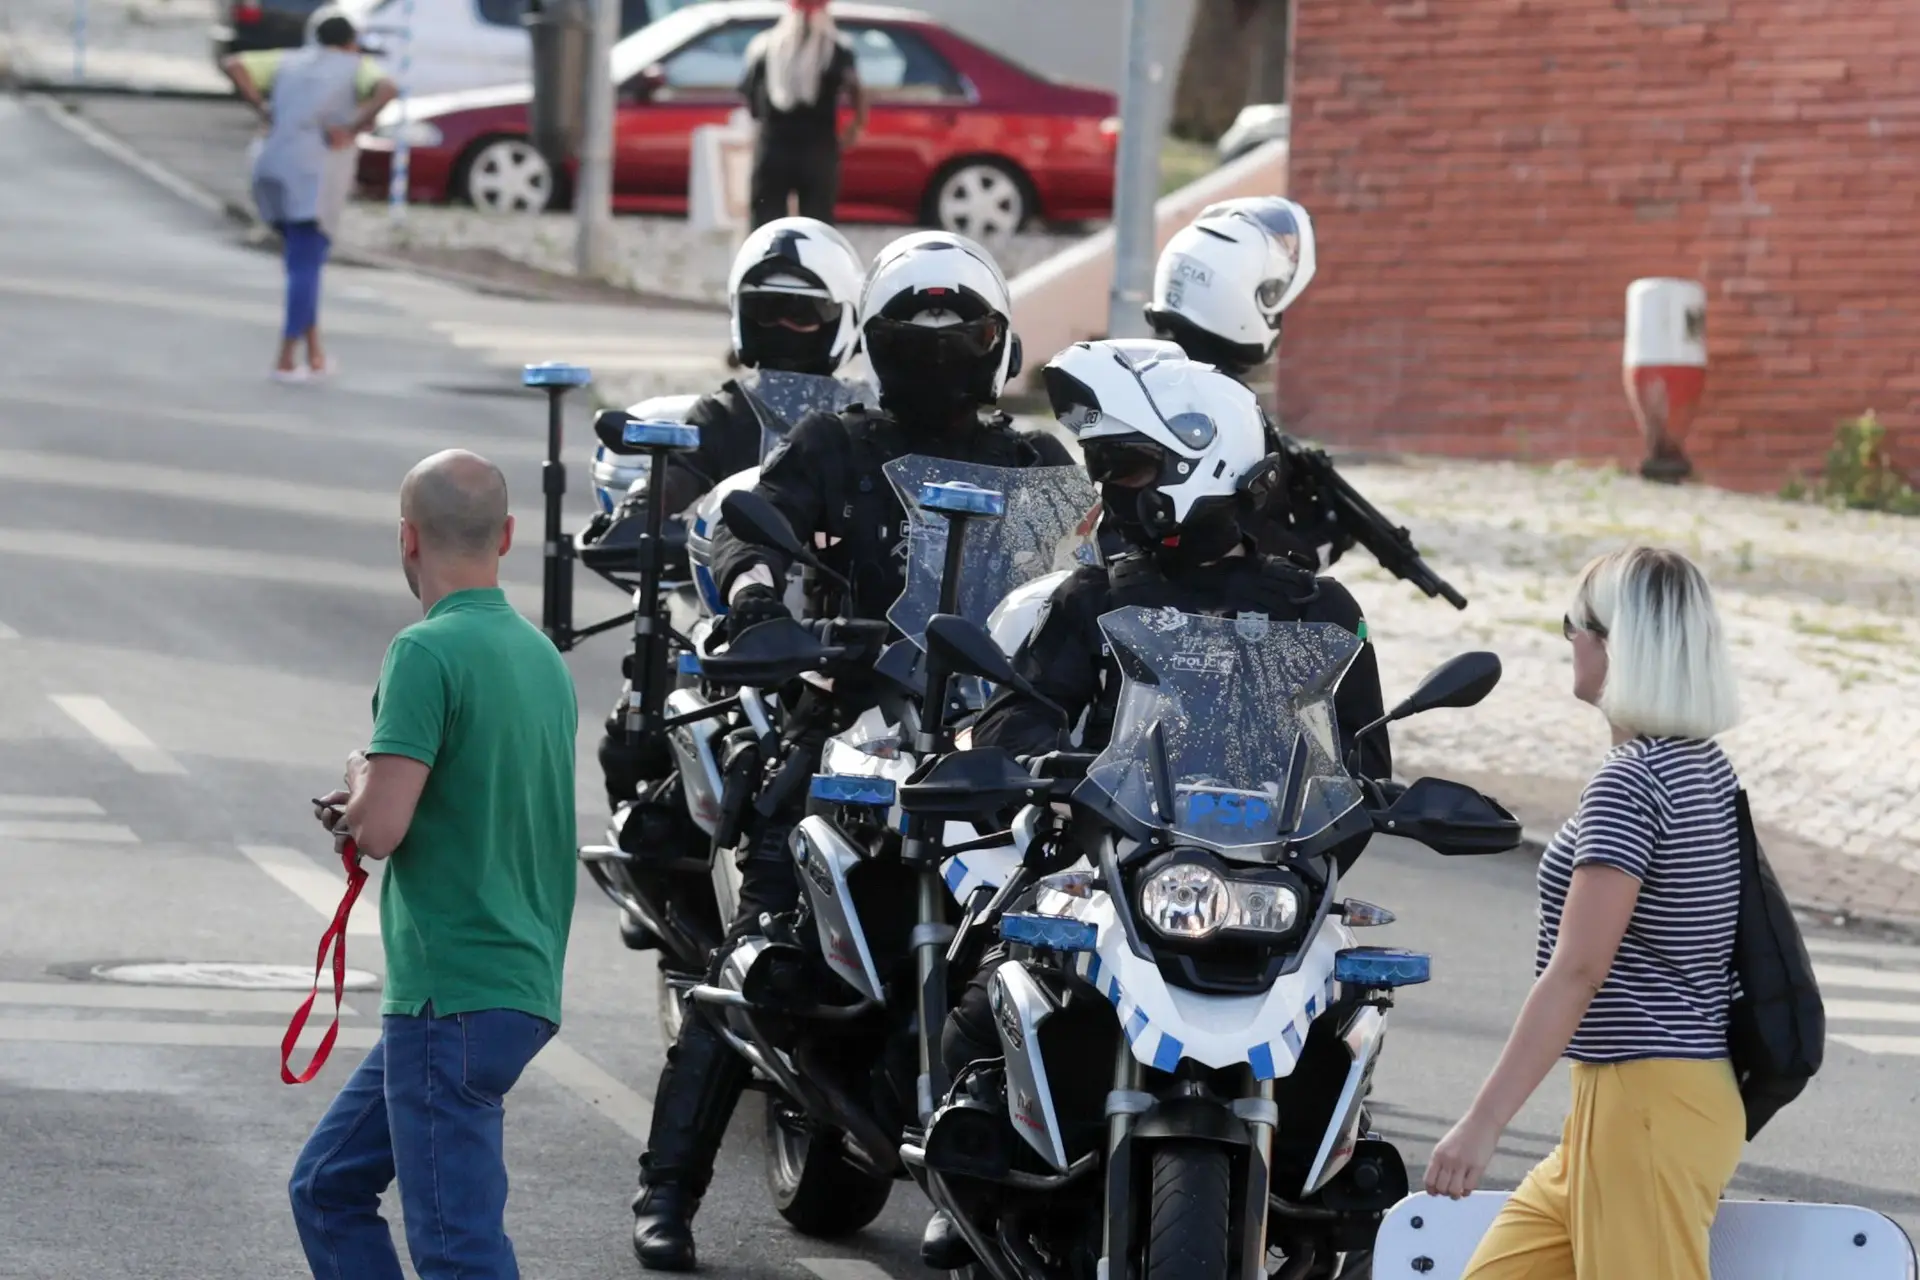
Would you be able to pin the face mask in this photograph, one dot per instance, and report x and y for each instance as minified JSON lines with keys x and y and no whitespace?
{"x":777,"y":347}
{"x":1144,"y":518}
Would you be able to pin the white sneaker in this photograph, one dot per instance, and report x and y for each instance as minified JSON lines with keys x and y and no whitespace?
{"x":294,"y":375}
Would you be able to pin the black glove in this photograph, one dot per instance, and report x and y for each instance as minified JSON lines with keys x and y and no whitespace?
{"x":755,"y":604}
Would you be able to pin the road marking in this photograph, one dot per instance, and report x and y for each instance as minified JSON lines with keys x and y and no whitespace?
{"x":319,"y":889}
{"x":126,"y":155}
{"x":560,"y":1062}
{"x":46,"y":806}
{"x":843,"y":1269}
{"x":1866,"y":979}
{"x":100,"y":995}
{"x":200,"y":1035}
{"x":1872,"y":1011}
{"x":592,"y":1084}
{"x":94,"y":832}
{"x":8,"y":633}
{"x":1906,"y":1046}
{"x":117,"y":733}
{"x":1863,"y":950}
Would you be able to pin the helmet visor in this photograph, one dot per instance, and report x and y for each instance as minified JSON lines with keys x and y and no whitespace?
{"x":1129,"y":463}
{"x":901,"y":344}
{"x":802,"y":310}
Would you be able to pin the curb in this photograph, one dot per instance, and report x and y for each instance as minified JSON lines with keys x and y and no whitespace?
{"x":106,"y":143}
{"x":91,"y":88}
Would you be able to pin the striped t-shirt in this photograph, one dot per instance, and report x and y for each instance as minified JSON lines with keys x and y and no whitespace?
{"x":1661,"y":810}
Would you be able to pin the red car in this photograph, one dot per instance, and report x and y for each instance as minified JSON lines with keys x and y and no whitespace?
{"x":958,"y":137}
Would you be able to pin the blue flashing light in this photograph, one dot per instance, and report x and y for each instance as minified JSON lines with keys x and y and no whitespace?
{"x":843,"y":788}
{"x":1049,"y":933}
{"x":555,"y":373}
{"x":1381,"y":967}
{"x":957,"y":498}
{"x":689,"y":664}
{"x":660,"y":435}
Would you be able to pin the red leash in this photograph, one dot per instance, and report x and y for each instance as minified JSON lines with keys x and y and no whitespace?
{"x":335,"y":938}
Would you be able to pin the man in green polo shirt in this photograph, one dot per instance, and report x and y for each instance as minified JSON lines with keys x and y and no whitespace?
{"x":466,"y":788}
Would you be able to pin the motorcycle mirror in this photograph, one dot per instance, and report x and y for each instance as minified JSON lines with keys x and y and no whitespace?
{"x":965,"y":648}
{"x":753,"y":519}
{"x":1460,"y":681}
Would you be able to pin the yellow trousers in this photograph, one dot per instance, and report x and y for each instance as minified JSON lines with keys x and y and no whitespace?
{"x":1631,"y":1191}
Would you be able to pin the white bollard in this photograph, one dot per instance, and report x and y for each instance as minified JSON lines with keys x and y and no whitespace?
{"x":397,"y":177}
{"x":1664,"y":368}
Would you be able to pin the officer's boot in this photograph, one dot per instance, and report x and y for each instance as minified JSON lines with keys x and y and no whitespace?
{"x":942,"y":1247}
{"x":698,"y":1091}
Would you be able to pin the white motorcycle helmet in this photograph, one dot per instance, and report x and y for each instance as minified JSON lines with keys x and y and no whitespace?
{"x":802,"y":271}
{"x":1224,"y":280}
{"x":937,"y":320}
{"x":1176,"y":446}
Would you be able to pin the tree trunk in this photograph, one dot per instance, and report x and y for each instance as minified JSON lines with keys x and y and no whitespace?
{"x":1237,"y":54}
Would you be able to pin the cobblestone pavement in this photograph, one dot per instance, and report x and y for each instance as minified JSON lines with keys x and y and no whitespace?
{"x":1820,"y":608}
{"x":657,"y":256}
{"x":146,"y":44}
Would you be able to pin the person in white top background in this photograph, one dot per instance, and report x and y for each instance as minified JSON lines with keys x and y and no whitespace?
{"x":1639,"y":898}
{"x":797,"y":73}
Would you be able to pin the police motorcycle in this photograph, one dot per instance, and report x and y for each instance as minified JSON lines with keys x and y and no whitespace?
{"x":840,"y":1006}
{"x":1187,"y":1022}
{"x":655,"y":864}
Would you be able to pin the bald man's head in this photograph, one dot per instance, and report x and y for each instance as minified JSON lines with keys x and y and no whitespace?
{"x":458,"y":502}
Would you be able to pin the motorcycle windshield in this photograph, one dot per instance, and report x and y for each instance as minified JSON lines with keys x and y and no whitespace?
{"x":780,"y":400}
{"x":1224,"y":734}
{"x":1050,"y":522}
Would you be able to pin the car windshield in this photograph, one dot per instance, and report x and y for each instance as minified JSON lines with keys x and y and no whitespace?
{"x":1049,"y":525}
{"x":779,"y":400}
{"x":1224,"y":734}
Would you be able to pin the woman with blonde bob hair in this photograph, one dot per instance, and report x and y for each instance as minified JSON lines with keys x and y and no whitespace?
{"x":1638,"y":901}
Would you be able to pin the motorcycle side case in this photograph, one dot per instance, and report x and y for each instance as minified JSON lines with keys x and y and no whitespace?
{"x":1752,"y":1240}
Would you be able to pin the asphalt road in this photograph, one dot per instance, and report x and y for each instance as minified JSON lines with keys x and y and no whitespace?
{"x":196,"y":587}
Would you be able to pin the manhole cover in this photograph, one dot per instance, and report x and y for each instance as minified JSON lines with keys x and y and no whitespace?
{"x":214,"y":973}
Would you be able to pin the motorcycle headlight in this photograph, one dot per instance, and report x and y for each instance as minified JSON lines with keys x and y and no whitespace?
{"x":1192,"y":902}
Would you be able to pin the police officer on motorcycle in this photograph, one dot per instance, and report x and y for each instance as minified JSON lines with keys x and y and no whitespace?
{"x":793,"y":294}
{"x":936,"y":321}
{"x":1220,"y":290}
{"x":1180,"y":454}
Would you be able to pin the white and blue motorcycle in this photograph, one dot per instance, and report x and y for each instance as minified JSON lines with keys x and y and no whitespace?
{"x":1186,"y":1023}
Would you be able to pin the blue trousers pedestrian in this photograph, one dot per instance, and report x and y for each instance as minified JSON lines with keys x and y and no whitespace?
{"x":305,"y":251}
{"x":427,"y":1106}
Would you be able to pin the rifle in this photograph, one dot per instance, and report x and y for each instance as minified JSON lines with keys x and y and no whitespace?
{"x":1318,"y":486}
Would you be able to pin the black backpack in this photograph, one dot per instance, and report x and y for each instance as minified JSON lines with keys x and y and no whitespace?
{"x":1777,"y":1027}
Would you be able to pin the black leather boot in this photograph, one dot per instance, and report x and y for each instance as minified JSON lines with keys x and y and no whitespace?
{"x":942,"y":1247}
{"x":698,"y":1091}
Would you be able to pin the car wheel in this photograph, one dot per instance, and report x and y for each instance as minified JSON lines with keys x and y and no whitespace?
{"x":508,"y":175}
{"x":980,"y":198}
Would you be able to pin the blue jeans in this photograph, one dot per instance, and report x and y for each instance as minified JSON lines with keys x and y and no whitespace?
{"x":426,"y":1105}
{"x":305,"y":251}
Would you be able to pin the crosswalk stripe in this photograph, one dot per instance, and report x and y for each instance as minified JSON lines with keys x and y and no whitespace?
{"x":46,"y":806}
{"x":118,"y":734}
{"x":8,"y":633}
{"x":1871,"y":1011}
{"x":1892,"y":951}
{"x":1866,"y":979}
{"x":91,"y":832}
{"x":1906,"y":1046}
{"x":108,"y":995}
{"x":319,"y":889}
{"x":843,"y":1269}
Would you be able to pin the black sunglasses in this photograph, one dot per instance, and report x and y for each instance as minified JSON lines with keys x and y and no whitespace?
{"x":1568,"y":628}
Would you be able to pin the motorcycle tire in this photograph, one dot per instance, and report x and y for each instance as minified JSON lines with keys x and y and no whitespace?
{"x":1189,"y":1217}
{"x":814,"y":1187}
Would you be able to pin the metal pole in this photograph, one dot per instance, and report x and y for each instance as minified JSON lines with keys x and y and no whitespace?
{"x":593,"y":208}
{"x":398,"y":181}
{"x":1136,"y":184}
{"x":79,"y":38}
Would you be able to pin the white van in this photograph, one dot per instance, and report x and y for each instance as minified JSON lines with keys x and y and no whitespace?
{"x":464,"y":44}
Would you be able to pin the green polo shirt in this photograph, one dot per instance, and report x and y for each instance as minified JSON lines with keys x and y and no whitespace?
{"x":478,"y":897}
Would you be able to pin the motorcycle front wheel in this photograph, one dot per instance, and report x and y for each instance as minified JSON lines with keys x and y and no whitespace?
{"x":815,"y":1188}
{"x":1189,"y":1217}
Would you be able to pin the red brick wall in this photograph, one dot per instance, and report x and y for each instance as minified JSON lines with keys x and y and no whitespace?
{"x":1487,"y":176}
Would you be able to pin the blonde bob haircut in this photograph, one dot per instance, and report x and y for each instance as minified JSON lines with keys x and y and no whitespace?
{"x":1668,"y":672}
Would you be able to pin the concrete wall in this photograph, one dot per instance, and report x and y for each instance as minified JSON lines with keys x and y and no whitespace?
{"x":1487,"y":176}
{"x":1076,"y":40}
